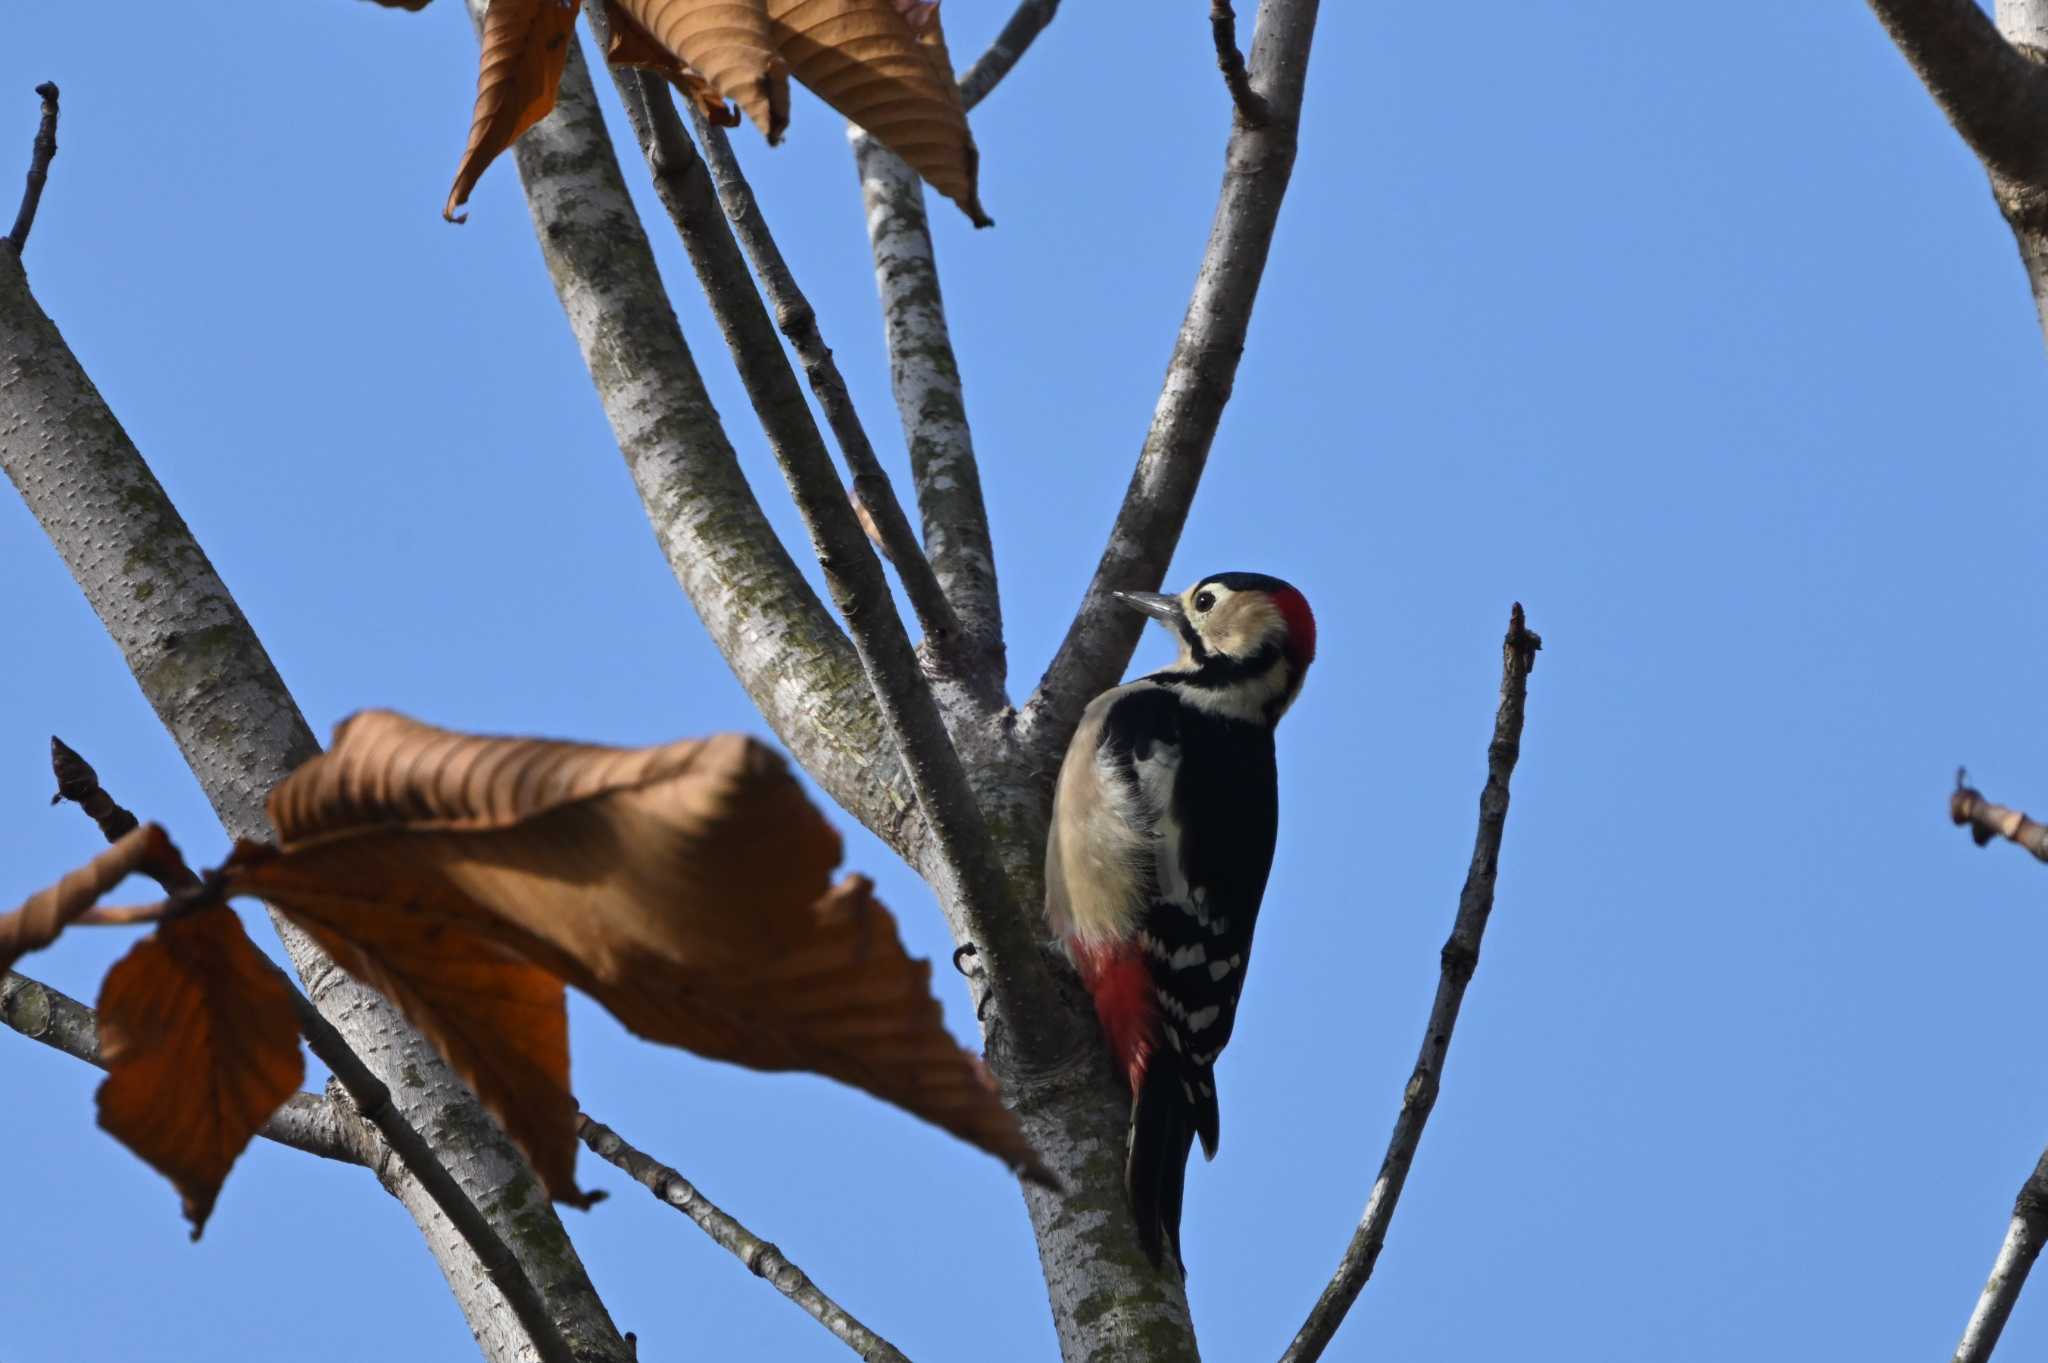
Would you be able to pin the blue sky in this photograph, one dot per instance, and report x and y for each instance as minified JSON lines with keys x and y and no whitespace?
{"x":1702,"y":339}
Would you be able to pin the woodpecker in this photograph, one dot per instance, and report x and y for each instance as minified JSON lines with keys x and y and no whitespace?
{"x":1162,"y":835}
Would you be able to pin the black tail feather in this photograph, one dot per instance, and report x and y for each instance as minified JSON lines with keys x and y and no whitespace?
{"x":1163,"y":1127}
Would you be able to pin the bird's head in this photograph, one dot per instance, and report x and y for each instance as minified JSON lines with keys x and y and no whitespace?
{"x":1247,"y":633}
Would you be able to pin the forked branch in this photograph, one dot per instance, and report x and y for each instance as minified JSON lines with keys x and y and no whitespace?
{"x":1251,"y":106}
{"x":980,"y":903}
{"x":1459,"y":958}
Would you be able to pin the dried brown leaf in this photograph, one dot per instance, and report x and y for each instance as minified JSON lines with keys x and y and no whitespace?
{"x":685,"y":887}
{"x":525,"y":43}
{"x":201,"y":1045}
{"x":891,"y":76}
{"x":632,"y":45}
{"x":728,"y":42}
{"x":499,"y":1019}
{"x":48,"y":912}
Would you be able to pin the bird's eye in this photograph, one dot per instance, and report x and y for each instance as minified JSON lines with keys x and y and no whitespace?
{"x":1204,"y":600}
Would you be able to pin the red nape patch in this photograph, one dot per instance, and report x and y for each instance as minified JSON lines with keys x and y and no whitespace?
{"x":1301,"y":626}
{"x":1121,"y":984}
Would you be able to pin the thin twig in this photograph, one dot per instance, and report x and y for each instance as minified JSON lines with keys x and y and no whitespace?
{"x":2009,"y":1271}
{"x":1015,"y":966}
{"x":78,"y":782}
{"x":1223,"y":26}
{"x":798,"y":321}
{"x":1987,"y":821}
{"x":931,"y":402}
{"x":40,"y":156}
{"x":1258,"y":162}
{"x":306,"y":1122}
{"x":762,"y":1259}
{"x":991,"y":66}
{"x":1459,"y":958}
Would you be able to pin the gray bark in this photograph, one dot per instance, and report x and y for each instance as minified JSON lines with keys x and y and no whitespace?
{"x":796,"y":665}
{"x":1991,"y":80}
{"x":926,"y":379}
{"x":873,"y":495}
{"x":210,"y":681}
{"x":985,"y":912}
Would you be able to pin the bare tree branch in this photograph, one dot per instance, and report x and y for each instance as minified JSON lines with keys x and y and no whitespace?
{"x":798,"y":322}
{"x":1987,"y":821}
{"x":1991,"y":83}
{"x":1257,"y":164}
{"x":762,"y":1259}
{"x":41,"y":153}
{"x":1993,"y":94}
{"x":796,"y":665}
{"x":925,"y":377}
{"x":1460,"y":958}
{"x":2009,"y":1271}
{"x":1223,"y":27}
{"x":991,"y":66}
{"x":209,"y":680}
{"x":306,"y":1122}
{"x":982,"y":911}
{"x":2024,"y":1236}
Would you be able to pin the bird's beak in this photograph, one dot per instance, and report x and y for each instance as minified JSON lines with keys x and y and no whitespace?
{"x":1165,"y":609}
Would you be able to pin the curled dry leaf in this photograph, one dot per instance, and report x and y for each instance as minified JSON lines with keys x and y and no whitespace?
{"x":48,"y":912}
{"x":719,"y":48}
{"x":685,"y":887}
{"x":201,"y":1045}
{"x":892,"y":75}
{"x":525,"y":43}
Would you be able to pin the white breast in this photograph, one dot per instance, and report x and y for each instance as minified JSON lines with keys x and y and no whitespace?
{"x":1104,"y":835}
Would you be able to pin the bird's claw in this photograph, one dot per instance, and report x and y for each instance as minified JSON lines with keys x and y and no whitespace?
{"x":960,"y":955}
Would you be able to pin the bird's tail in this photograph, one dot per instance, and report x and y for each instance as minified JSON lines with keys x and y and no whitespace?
{"x":1167,"y":1111}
